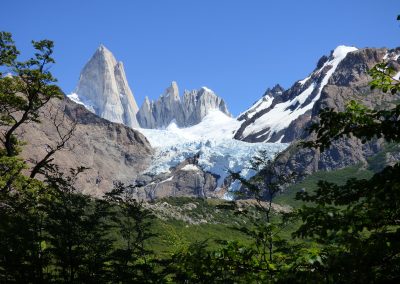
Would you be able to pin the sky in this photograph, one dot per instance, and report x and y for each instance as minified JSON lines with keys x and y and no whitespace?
{"x":238,"y":48}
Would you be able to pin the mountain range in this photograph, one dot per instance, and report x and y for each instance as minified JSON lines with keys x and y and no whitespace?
{"x":184,"y":146}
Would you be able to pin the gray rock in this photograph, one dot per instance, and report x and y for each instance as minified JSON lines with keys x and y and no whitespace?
{"x":103,"y":89}
{"x":193,"y":107}
{"x":197,"y":104}
{"x":186,"y":179}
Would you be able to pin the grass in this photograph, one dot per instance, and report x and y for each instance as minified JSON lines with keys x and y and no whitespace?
{"x":310,"y":183}
{"x":173,"y":235}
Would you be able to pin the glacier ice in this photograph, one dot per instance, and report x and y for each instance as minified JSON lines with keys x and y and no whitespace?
{"x":213,"y":140}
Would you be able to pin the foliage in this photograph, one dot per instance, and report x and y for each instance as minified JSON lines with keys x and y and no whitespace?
{"x":356,"y":224}
{"x":25,"y":89}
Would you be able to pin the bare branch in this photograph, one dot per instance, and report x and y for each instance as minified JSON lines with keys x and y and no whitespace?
{"x":65,"y":129}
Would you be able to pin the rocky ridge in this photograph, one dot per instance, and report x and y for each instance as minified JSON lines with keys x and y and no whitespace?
{"x":188,"y":111}
{"x":115,"y":152}
{"x":272,"y":118}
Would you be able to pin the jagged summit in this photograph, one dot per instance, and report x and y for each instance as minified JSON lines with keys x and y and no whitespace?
{"x":186,"y":111}
{"x":104,"y":90}
{"x":102,"y":47}
{"x":274,"y":91}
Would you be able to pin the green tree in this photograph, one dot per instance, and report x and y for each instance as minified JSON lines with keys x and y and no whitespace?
{"x":130,"y":260}
{"x":264,"y":187}
{"x":357,"y":224}
{"x":25,"y":87}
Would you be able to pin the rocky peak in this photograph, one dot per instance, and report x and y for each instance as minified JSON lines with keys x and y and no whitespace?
{"x":104,"y":90}
{"x":188,"y":111}
{"x":172,"y":91}
{"x":277,"y":90}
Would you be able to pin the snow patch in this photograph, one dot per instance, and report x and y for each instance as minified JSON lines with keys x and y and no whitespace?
{"x":302,"y":82}
{"x":86,"y":103}
{"x":190,"y":167}
{"x":263,"y":103}
{"x":168,"y":179}
{"x":207,"y":89}
{"x":280,"y":139}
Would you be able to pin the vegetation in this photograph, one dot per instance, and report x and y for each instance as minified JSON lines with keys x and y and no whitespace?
{"x":344,"y":232}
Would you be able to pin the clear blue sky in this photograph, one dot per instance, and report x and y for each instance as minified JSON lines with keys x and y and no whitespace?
{"x":238,"y":48}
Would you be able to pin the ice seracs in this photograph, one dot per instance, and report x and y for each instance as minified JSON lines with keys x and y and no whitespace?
{"x":211,"y":139}
{"x":104,"y":90}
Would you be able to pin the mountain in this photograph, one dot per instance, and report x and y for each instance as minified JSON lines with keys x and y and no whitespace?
{"x":110,"y":151}
{"x":284,"y":116}
{"x":169,"y":107}
{"x":104,"y":90}
{"x":193,"y":141}
{"x":276,"y":115}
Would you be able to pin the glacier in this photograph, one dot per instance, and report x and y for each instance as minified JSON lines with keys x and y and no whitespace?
{"x":212,"y":139}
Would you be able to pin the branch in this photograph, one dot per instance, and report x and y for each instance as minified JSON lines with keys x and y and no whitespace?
{"x":64,"y":133}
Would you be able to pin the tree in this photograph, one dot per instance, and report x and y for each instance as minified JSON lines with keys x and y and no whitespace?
{"x":357,"y":224}
{"x":129,"y":260}
{"x":25,"y":89}
{"x":264,"y":187}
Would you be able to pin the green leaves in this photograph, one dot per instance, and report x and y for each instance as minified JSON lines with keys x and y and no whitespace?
{"x":8,"y":51}
{"x":355,"y":223}
{"x":28,"y":86}
{"x":383,"y":78}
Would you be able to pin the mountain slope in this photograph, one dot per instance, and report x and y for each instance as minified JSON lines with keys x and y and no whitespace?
{"x":348,"y":82}
{"x":269,"y":119}
{"x":104,"y":90}
{"x":109,"y":150}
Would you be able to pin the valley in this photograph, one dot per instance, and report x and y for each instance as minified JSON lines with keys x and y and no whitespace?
{"x":106,"y":182}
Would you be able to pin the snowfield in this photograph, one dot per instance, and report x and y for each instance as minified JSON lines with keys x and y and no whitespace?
{"x":213,"y":140}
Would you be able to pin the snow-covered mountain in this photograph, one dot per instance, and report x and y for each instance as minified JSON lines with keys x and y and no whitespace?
{"x":104,"y":90}
{"x":346,"y":79}
{"x":193,"y":107}
{"x":273,"y":118}
{"x":196,"y":141}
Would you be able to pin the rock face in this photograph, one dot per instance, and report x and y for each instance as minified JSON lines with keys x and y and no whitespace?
{"x":104,"y":90}
{"x":109,"y":150}
{"x":348,"y":82}
{"x":187,"y":179}
{"x":193,"y":107}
